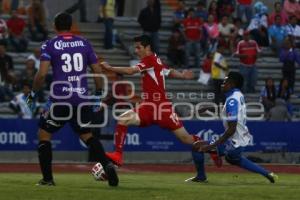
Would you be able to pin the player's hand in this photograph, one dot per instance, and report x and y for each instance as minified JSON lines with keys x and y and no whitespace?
{"x":30,"y":100}
{"x":198,"y":145}
{"x":188,"y":74}
{"x":98,"y":101}
{"x":105,"y":65}
{"x":206,"y":148}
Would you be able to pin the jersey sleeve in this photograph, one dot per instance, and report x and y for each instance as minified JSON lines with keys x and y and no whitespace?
{"x":232,"y":107}
{"x":45,"y":52}
{"x":91,"y":55}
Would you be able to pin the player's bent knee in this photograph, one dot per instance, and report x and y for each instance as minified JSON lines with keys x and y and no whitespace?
{"x":232,"y":160}
{"x":128,"y":118}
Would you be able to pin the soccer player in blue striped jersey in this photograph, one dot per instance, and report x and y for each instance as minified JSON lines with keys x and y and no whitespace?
{"x":236,"y":137}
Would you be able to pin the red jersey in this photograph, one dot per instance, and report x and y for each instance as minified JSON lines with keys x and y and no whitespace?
{"x":193,"y":28}
{"x":250,"y":49}
{"x":245,"y":2}
{"x":16,"y":25}
{"x":153,"y":79}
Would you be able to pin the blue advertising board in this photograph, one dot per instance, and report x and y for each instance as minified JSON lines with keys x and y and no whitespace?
{"x":21,"y":135}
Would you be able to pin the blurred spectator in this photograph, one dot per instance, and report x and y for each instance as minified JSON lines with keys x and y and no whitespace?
{"x":150,"y":21}
{"x":226,"y":30}
{"x":247,"y":51}
{"x":108,"y":13}
{"x":35,"y":57}
{"x":219,"y":71}
{"x":268,"y":94}
{"x":7,"y":77}
{"x":19,"y":105}
{"x":293,"y":31}
{"x":213,"y":10}
{"x":19,"y":6}
{"x":201,"y":11}
{"x":179,"y":14}
{"x":278,"y":10}
{"x":6,"y":59}
{"x":292,"y":8}
{"x":28,"y":73}
{"x":279,"y":112}
{"x":120,"y":4}
{"x":37,"y":21}
{"x":205,"y":71}
{"x":16,"y":26}
{"x":176,"y":53}
{"x":284,"y":92}
{"x":289,"y":57}
{"x":259,"y":24}
{"x":237,"y":34}
{"x":193,"y":30}
{"x":277,"y":34}
{"x":244,"y":6}
{"x":226,"y":7}
{"x":212,"y":30}
{"x":3,"y":32}
{"x":81,"y":5}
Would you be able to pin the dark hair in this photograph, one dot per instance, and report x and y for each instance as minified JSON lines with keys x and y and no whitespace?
{"x":145,"y":40}
{"x":292,"y":17}
{"x":27,"y":83}
{"x":63,"y":22}
{"x":191,"y":9}
{"x":237,"y":79}
{"x":275,"y":4}
{"x":271,"y":91}
{"x":286,"y":95}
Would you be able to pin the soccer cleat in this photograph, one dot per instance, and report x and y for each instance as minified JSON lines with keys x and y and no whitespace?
{"x":115,"y":157}
{"x":272,"y":177}
{"x":46,"y":183}
{"x":111,"y":174}
{"x":216,"y":158}
{"x":195,"y":179}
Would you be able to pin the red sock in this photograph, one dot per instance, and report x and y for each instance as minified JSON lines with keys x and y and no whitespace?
{"x":120,"y":136}
{"x":196,"y":138}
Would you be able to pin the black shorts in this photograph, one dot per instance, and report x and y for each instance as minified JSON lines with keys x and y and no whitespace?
{"x":52,"y":121}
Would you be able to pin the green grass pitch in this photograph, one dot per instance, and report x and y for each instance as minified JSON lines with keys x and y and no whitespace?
{"x":152,"y":186}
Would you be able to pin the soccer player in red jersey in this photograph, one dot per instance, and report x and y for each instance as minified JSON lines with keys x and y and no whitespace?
{"x":155,"y":108}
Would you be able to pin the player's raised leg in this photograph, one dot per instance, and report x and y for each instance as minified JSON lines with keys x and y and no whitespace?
{"x":96,"y":147}
{"x":128,"y":118}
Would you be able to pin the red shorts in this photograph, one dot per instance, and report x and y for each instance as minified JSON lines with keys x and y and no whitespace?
{"x":160,"y":114}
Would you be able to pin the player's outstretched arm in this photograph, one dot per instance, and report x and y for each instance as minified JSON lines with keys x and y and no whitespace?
{"x":185,"y":74}
{"x":120,"y":70}
{"x":228,"y":133}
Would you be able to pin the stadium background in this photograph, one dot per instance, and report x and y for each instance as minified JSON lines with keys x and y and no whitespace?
{"x":276,"y":142}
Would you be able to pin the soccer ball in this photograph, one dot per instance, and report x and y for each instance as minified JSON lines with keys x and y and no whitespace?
{"x":98,"y":172}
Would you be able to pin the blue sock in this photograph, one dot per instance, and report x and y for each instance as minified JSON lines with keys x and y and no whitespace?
{"x":198,"y":158}
{"x":251,"y":166}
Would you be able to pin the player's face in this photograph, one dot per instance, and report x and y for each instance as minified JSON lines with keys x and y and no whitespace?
{"x":226,"y":86}
{"x":140,"y":50}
